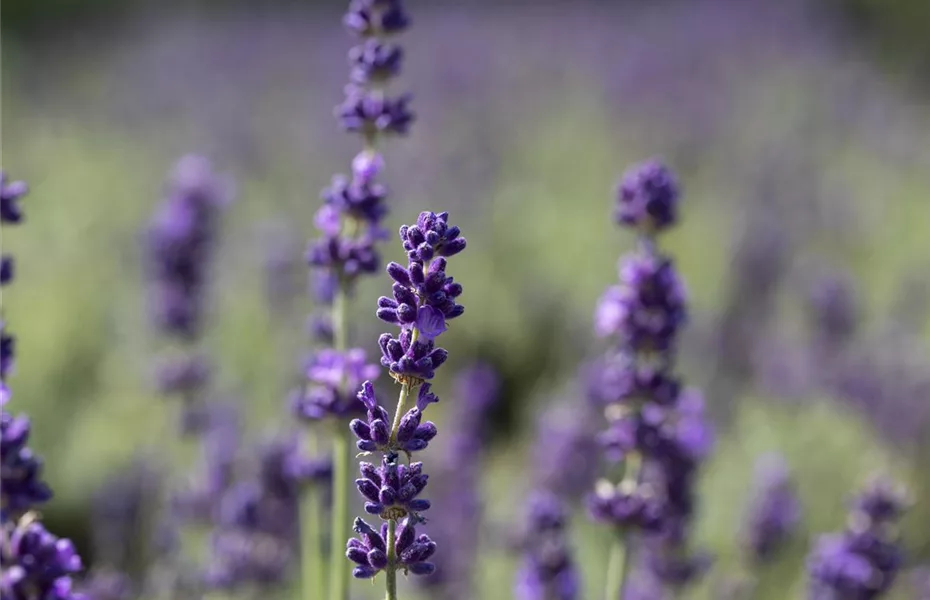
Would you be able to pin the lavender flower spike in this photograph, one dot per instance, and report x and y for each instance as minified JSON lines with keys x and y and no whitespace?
{"x":548,"y":571}
{"x":37,"y":564}
{"x":774,"y":510}
{"x":862,"y":561}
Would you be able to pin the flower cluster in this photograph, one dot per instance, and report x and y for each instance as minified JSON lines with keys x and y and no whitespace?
{"x":425,"y":292}
{"x":862,"y":561}
{"x":424,"y":298}
{"x":370,"y":552}
{"x":656,"y":425}
{"x":180,"y":242}
{"x":774,"y":512}
{"x":35,"y":563}
{"x":333,"y":379}
{"x":548,"y":571}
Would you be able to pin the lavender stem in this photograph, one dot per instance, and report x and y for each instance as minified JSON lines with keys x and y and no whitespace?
{"x":391,"y":572}
{"x":620,"y":552}
{"x":311,"y":527}
{"x":339,"y":524}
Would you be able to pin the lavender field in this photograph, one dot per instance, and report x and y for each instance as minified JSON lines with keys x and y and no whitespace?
{"x":684,"y":354}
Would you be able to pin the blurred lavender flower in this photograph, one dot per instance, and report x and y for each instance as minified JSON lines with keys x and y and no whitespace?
{"x":566,"y":450}
{"x":774,"y":510}
{"x":108,"y":584}
{"x":334,"y":379}
{"x":21,"y":469}
{"x":476,"y":391}
{"x":548,"y":571}
{"x":36,"y":563}
{"x":862,"y":561}
{"x":179,"y":246}
{"x":656,"y":427}
{"x":833,"y":313}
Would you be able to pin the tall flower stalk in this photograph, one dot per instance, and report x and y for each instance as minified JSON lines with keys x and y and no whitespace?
{"x":34,"y":563}
{"x":423,"y":300}
{"x":656,"y":427}
{"x":350,"y":225}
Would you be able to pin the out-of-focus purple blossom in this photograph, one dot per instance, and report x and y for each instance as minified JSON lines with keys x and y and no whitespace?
{"x":548,"y":571}
{"x":834,"y":311}
{"x":7,"y":352}
{"x":375,"y":61}
{"x":647,"y":309}
{"x":179,"y":246}
{"x":625,"y":507}
{"x":367,"y":18}
{"x":862,"y":561}
{"x":566,"y":450}
{"x":20,"y":469}
{"x":184,"y":375}
{"x":647,"y":197}
{"x":392,"y":490}
{"x":108,"y":584}
{"x":774,"y":510}
{"x":335,"y":378}
{"x":369,"y":551}
{"x":6,"y":269}
{"x":37,"y":564}
{"x":10,"y":194}
{"x":616,"y":378}
{"x":476,"y":391}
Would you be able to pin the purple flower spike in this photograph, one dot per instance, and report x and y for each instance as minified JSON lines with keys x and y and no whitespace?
{"x":37,"y":564}
{"x":334,"y":378}
{"x":863,"y":560}
{"x":374,"y":433}
{"x":775,"y":510}
{"x":548,"y":570}
{"x":391,"y":490}
{"x":647,"y":198}
{"x":368,"y":551}
{"x":22,"y":484}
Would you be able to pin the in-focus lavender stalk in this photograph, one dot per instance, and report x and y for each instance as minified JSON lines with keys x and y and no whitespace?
{"x":424,"y":298}
{"x":861,"y":562}
{"x":350,"y":226}
{"x":657,"y":428}
{"x":548,"y":571}
{"x":34,"y":563}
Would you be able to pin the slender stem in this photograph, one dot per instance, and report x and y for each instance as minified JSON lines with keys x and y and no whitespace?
{"x":398,"y":413}
{"x":620,"y":552}
{"x":311,"y":532}
{"x":616,"y":569}
{"x":339,"y":525}
{"x":391,"y":571}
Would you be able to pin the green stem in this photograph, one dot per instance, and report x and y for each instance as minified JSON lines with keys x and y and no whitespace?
{"x":391,"y":571}
{"x":617,"y":568}
{"x":339,"y":525}
{"x":399,"y":412}
{"x":311,"y":531}
{"x":620,"y":552}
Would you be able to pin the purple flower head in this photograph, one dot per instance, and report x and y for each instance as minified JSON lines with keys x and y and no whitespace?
{"x":20,"y":469}
{"x":371,"y":112}
{"x":863,"y":560}
{"x":548,"y":570}
{"x":366,"y":165}
{"x":367,"y":18}
{"x":673,"y":565}
{"x":240,"y":558}
{"x":647,"y":309}
{"x":334,"y":379}
{"x":834,"y":309}
{"x":374,"y":434}
{"x":647,"y":197}
{"x":179,"y":245}
{"x":415,"y":288}
{"x":359,"y":198}
{"x":617,"y":378}
{"x":36,"y":563}
{"x":375,"y":61}
{"x":626,"y":507}
{"x":431,"y":236}
{"x":391,"y":490}
{"x":369,"y":551}
{"x":10,"y":193}
{"x":881,"y":503}
{"x":774,"y":510}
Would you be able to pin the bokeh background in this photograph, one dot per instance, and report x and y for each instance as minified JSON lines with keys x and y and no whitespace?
{"x":800,"y":131}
